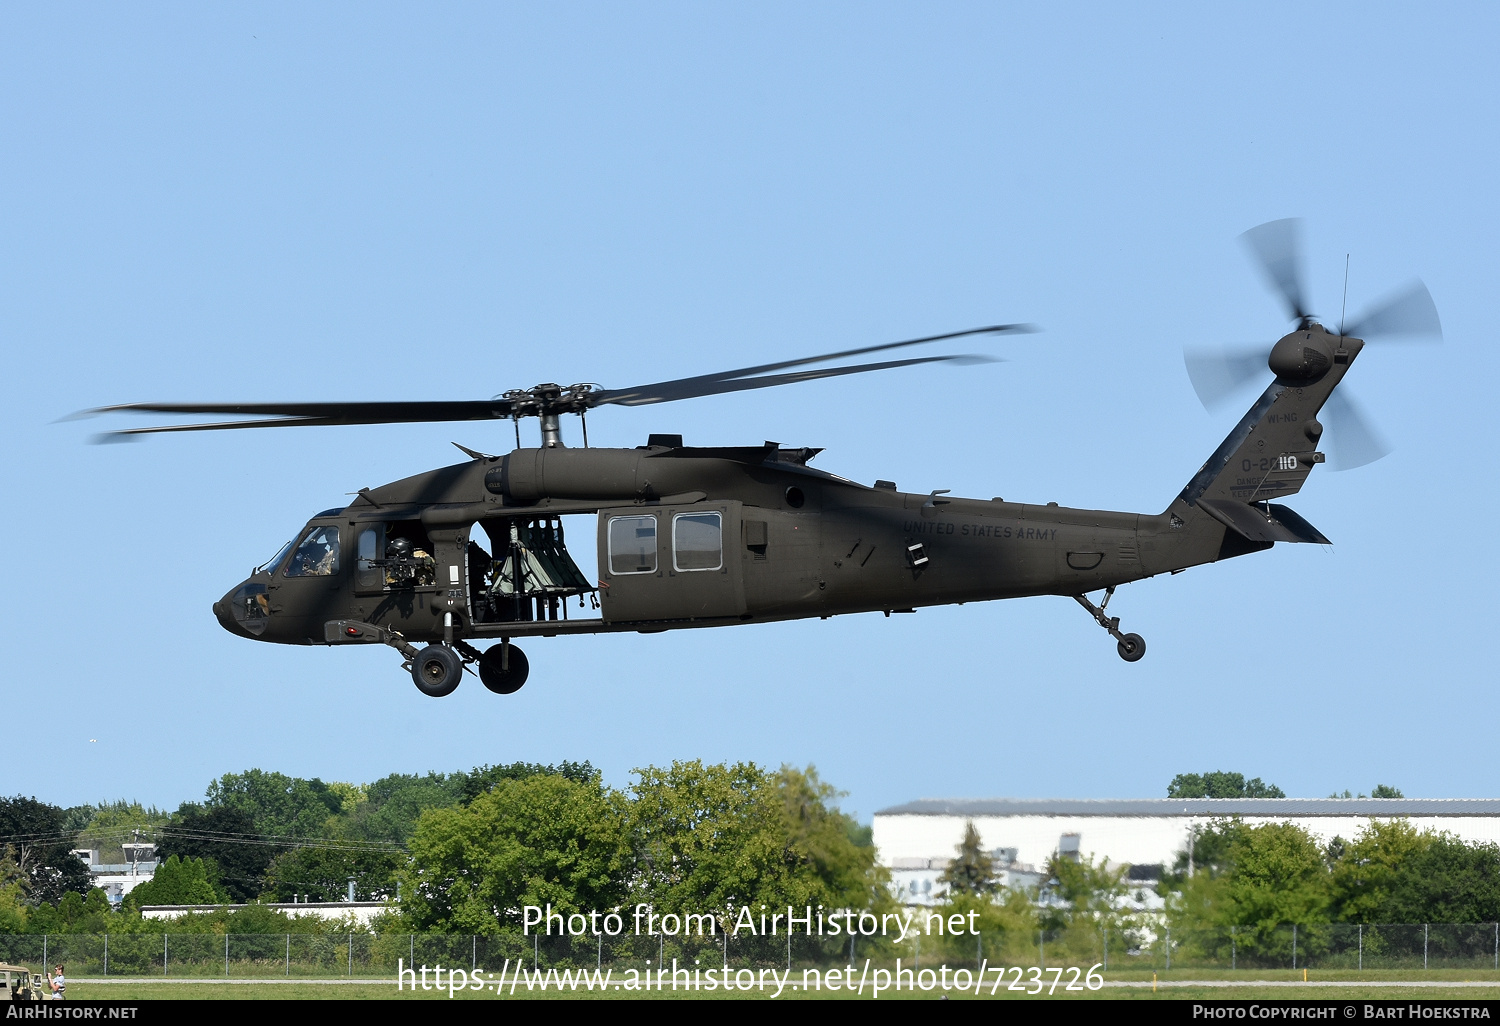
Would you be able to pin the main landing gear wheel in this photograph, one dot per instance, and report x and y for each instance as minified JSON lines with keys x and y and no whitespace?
{"x":503,"y":669}
{"x":437,"y":670}
{"x":1131,"y":647}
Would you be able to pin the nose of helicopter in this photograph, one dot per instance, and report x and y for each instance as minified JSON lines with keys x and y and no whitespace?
{"x":244,"y":609}
{"x":225,"y":618}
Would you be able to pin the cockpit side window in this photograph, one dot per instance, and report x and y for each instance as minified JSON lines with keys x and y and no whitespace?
{"x":317,"y":555}
{"x":273,"y":564}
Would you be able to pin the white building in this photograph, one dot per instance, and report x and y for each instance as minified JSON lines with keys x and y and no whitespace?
{"x":915,"y":880}
{"x":916,"y":840}
{"x":118,"y":879}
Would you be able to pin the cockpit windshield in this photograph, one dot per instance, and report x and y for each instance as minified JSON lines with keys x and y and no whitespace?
{"x":275,"y":561}
{"x":318,"y":555}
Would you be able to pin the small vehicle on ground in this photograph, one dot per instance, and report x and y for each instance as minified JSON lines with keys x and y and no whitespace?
{"x":17,"y":983}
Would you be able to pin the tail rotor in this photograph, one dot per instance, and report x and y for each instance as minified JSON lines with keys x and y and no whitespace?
{"x":1219,"y":374}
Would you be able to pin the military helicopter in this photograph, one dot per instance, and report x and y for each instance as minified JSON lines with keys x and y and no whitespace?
{"x":712,"y":536}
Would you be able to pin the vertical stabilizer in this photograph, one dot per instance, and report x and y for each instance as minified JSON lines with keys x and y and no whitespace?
{"x":1228,"y":507}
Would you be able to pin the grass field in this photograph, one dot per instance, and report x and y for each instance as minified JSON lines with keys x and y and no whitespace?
{"x":1452,"y":985}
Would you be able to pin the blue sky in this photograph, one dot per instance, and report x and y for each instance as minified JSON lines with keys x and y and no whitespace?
{"x":368,"y":201}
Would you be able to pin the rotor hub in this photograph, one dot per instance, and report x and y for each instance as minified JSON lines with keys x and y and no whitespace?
{"x":549,"y":399}
{"x":1303,"y":356}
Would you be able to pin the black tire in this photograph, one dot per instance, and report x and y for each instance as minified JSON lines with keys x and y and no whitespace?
{"x":437,"y":670}
{"x":1131,"y":647}
{"x":507,"y":681}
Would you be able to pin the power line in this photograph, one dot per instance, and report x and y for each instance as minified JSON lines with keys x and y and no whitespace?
{"x":218,"y":837}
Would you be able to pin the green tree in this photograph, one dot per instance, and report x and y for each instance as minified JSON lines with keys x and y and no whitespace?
{"x":1279,"y":877}
{"x":1367,"y":869}
{"x":1007,"y":922}
{"x":1085,"y":887}
{"x":973,"y":872}
{"x":723,"y":837}
{"x":1449,"y":881}
{"x":178,"y":881}
{"x":350,"y":796}
{"x":322,"y":874}
{"x":42,"y":848}
{"x":483,"y":778}
{"x":13,"y":884}
{"x":834,"y":854}
{"x":1391,"y":873}
{"x":534,"y":841}
{"x":1254,"y":880}
{"x":75,"y":913}
{"x":279,"y":805}
{"x":228,"y":839}
{"x":13,"y":912}
{"x":1221,"y":784}
{"x":394,"y":803}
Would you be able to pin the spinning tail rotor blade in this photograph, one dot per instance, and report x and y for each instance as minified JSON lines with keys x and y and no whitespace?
{"x":1277,"y":246}
{"x":1217,"y":374}
{"x":1355,"y":442}
{"x":1409,"y":314}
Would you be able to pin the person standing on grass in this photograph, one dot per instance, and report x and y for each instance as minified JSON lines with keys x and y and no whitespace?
{"x":58,"y":983}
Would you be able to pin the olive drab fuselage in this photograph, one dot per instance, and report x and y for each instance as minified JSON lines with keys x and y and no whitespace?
{"x":699,"y":537}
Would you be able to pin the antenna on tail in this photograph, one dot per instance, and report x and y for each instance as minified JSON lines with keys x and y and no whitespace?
{"x":1345,"y":308}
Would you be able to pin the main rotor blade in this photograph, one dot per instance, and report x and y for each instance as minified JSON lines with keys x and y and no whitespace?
{"x":1217,"y":374}
{"x":1355,"y":441}
{"x":692,"y":388}
{"x":314,"y":414}
{"x":126,"y":434}
{"x":531,"y":403}
{"x":1410,"y":313}
{"x":709,"y":384}
{"x":1277,"y":245}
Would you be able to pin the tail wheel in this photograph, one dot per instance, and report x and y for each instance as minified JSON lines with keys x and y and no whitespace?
{"x":436,"y":670}
{"x":1131,"y":647}
{"x":504,"y":679}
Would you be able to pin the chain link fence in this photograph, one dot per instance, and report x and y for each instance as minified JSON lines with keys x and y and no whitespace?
{"x":1343,"y":946}
{"x":1338,"y":946}
{"x":379,"y":956}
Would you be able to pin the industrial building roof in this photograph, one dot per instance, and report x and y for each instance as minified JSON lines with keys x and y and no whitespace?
{"x":1200,"y":807}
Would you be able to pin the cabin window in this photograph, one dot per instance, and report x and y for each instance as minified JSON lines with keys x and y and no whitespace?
{"x":371,"y":545}
{"x":632,"y":545}
{"x":317,"y":555}
{"x":698,"y":541}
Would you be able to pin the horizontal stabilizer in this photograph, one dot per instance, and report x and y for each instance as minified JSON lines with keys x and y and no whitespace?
{"x":1269,"y":523}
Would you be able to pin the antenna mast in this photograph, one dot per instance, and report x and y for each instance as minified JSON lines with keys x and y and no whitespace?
{"x":1345,"y":308}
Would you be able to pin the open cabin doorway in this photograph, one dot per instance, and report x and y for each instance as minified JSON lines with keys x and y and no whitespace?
{"x":533,"y":568}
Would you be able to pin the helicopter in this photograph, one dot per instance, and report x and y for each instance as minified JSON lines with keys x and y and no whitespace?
{"x":710,"y":536}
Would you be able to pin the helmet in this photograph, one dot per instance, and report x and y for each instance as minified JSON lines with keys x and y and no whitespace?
{"x":398,"y":548}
